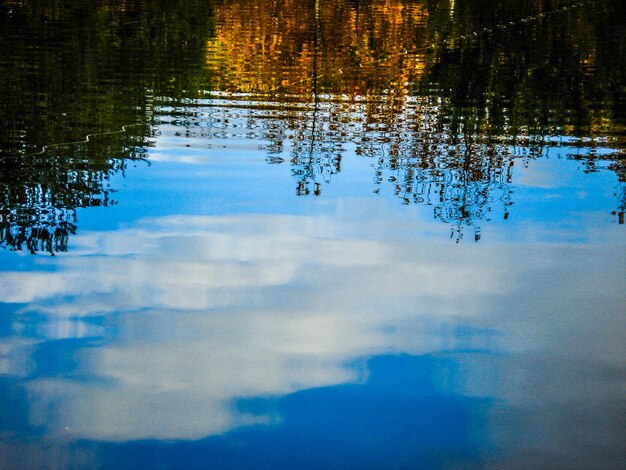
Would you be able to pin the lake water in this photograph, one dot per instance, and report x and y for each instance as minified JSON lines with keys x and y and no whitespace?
{"x":348,"y":234}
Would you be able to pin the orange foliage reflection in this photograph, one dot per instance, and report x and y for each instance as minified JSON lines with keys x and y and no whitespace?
{"x":283,"y":45}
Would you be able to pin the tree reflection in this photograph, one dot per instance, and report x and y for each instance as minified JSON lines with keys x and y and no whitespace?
{"x":39,"y":213}
{"x":465,"y":178}
{"x":74,"y":72}
{"x":436,"y":95}
{"x":492,"y":76}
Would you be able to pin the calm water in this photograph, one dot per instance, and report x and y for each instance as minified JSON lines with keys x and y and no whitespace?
{"x":339,"y":234}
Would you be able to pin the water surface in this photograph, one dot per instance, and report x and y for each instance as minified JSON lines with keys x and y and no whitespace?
{"x":331,"y":234}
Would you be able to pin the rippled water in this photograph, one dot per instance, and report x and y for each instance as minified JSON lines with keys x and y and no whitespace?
{"x":329,"y":234}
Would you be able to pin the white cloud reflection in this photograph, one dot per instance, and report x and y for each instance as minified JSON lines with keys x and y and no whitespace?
{"x":209,"y":310}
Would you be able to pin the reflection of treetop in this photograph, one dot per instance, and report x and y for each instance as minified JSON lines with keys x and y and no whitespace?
{"x":512,"y":72}
{"x":431,"y":91}
{"x":72,"y":69}
{"x":263,"y":45}
{"x":463,"y":176}
{"x":528,"y":64}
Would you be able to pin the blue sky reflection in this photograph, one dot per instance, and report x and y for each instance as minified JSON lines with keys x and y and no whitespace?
{"x":178,"y":324}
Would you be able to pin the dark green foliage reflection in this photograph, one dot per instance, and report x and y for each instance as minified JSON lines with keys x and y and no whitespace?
{"x":71,"y":75}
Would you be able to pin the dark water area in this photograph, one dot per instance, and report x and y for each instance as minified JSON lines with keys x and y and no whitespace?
{"x":324,"y":234}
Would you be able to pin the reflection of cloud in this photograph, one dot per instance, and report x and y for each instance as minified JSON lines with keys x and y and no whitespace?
{"x":208,"y":310}
{"x":199,"y":263}
{"x":182,"y":385}
{"x":15,"y":357}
